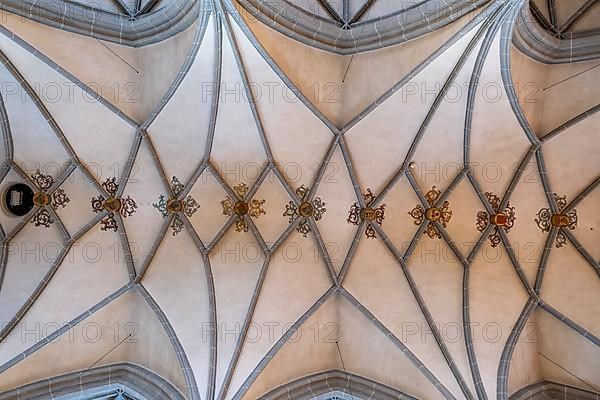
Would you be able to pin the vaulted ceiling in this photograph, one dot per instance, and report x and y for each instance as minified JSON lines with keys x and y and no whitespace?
{"x":423,"y":215}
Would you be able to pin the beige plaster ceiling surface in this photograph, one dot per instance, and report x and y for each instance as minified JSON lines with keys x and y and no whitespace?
{"x":436,"y":310}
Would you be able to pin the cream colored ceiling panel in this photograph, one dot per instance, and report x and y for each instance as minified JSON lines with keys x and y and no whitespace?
{"x":297,"y":137}
{"x":376,"y":279}
{"x":272,"y":224}
{"x":144,"y":186}
{"x":564,"y":9}
{"x":209,"y":219}
{"x":30,"y":129}
{"x":571,"y":351}
{"x":588,"y":230}
{"x":237,"y":150}
{"x":311,"y":349}
{"x":178,"y":269}
{"x":579,"y":81}
{"x":94,"y":338}
{"x":525,"y":365}
{"x":439,"y":157}
{"x":498,"y":143}
{"x":295,"y":272}
{"x":526,"y":238}
{"x":379,"y":142}
{"x":100,"y":138}
{"x":337,"y":191}
{"x":578,"y":296}
{"x":181,"y":129}
{"x":381,"y":8}
{"x":370,"y":353}
{"x":343,"y":86}
{"x":439,"y":277}
{"x":236,"y":265}
{"x":96,"y":257}
{"x":589,"y":20}
{"x":313,"y":6}
{"x":31,"y":254}
{"x":398,"y":224}
{"x":79,"y":211}
{"x":464,"y":204}
{"x":496,"y":298}
{"x":572,"y":158}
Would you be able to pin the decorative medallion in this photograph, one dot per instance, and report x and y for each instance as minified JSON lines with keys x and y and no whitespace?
{"x":176,"y":206}
{"x":501,"y":219}
{"x":368,"y":214}
{"x":42,"y":199}
{"x":239,"y":207}
{"x":433,"y":214}
{"x":546,"y":219}
{"x":307,"y":209}
{"x":125,"y":206}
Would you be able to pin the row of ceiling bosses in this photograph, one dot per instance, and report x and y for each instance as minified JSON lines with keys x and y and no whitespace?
{"x":40,"y":198}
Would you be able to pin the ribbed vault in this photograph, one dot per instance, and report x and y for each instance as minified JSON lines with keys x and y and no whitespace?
{"x":233,"y":305}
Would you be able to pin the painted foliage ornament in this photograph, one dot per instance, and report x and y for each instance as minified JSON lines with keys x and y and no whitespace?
{"x":45,"y":198}
{"x":125,"y":206}
{"x":314,"y":209}
{"x":240,"y":207}
{"x":500,"y":219}
{"x":546,"y":220}
{"x":434,"y":213}
{"x":176,"y":206}
{"x":367,"y":213}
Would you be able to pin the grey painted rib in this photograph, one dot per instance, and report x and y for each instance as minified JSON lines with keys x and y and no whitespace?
{"x":353,"y":246}
{"x":322,"y":168}
{"x":544,"y":260}
{"x":154,"y":249}
{"x":183,"y":71}
{"x":327,"y":382}
{"x":134,"y":28}
{"x":8,"y":328}
{"x":436,"y":104}
{"x":244,"y":331}
{"x":279,"y":344}
{"x":493,"y":8}
{"x":426,"y":313}
{"x":576,"y":15}
{"x":49,"y":119}
{"x":7,"y":140}
{"x":509,"y":348}
{"x":539,"y":155}
{"x":570,"y":123}
{"x":323,"y":253}
{"x":217,"y":78}
{"x":346,"y":39}
{"x":584,"y":253}
{"x":505,"y":43}
{"x":57,"y":333}
{"x":351,"y":170}
{"x":570,"y":323}
{"x":269,"y":60}
{"x":422,"y":368}
{"x":67,"y":75}
{"x":212,"y":307}
{"x":246,"y":83}
{"x":124,"y":375}
{"x":473,"y":86}
{"x":133,"y":152}
{"x":188,"y":373}
{"x":126,"y":247}
{"x":581,"y":196}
